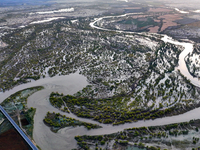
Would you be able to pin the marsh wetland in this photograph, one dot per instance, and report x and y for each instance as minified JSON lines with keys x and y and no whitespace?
{"x":100,"y":76}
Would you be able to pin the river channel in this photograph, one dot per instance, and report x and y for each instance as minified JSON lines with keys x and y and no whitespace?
{"x":72,"y":83}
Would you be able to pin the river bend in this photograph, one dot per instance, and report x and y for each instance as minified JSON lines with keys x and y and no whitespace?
{"x":72,"y":83}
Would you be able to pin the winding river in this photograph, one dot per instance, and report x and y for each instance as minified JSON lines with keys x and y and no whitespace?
{"x":72,"y":83}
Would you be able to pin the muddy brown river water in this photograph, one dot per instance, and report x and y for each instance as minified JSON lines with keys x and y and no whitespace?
{"x":71,"y":84}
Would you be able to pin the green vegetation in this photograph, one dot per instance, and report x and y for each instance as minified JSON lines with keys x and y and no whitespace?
{"x":131,"y":77}
{"x":44,"y":40}
{"x":144,"y":135}
{"x":109,"y":110}
{"x":125,"y":72}
{"x":139,"y":23}
{"x":29,"y":116}
{"x":57,"y":101}
{"x":192,"y":61}
{"x":56,"y":121}
{"x":17,"y":104}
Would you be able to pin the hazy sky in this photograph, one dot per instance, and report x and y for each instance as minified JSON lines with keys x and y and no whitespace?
{"x":181,"y":3}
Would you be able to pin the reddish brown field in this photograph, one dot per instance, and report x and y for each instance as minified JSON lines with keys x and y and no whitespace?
{"x":133,"y":8}
{"x":195,"y":24}
{"x":159,"y":10}
{"x":169,"y":20}
{"x":11,"y":140}
{"x":153,"y":29}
